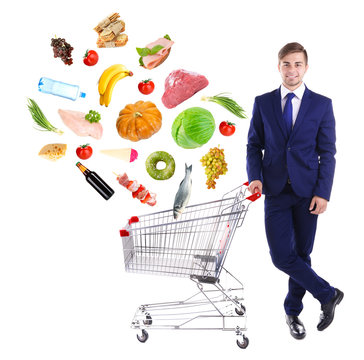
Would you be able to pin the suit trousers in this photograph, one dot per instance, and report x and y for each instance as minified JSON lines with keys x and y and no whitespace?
{"x":290,"y":230}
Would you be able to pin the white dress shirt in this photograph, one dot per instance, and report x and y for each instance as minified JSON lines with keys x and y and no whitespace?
{"x":296,"y":100}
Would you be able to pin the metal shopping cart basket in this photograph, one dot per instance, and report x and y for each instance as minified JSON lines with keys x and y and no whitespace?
{"x":194,"y":246}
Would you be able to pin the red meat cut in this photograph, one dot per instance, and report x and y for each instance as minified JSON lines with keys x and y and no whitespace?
{"x":180,"y":85}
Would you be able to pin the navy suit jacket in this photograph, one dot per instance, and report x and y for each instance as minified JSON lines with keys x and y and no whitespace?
{"x":306,"y":156}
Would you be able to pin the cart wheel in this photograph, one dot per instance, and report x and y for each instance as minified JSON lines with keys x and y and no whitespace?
{"x":241,"y":311}
{"x":144,"y":337}
{"x":244,"y":344}
{"x":148,"y":320}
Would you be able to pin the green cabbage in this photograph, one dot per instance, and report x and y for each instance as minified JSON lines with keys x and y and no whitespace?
{"x":193,"y":127}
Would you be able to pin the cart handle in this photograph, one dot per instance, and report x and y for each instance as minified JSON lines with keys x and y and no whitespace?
{"x":133,"y":219}
{"x":124,"y":232}
{"x":253,"y":197}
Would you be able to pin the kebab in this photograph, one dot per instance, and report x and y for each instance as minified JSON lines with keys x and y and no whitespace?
{"x":138,"y":191}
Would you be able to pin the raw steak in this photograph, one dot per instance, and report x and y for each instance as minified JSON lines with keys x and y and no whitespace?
{"x":180,"y":85}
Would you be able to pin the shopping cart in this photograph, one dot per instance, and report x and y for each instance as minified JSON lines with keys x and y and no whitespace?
{"x":194,"y":246}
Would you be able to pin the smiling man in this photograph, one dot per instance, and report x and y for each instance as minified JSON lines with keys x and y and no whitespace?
{"x":291,"y":159}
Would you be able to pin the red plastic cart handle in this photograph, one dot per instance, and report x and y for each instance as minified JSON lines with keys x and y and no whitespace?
{"x":133,"y":219}
{"x":253,"y":197}
{"x":124,"y":232}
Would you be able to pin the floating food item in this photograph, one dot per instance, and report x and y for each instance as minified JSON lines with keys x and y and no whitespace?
{"x":151,"y":165}
{"x":62,"y":49}
{"x":228,"y":103}
{"x":76,"y":121}
{"x":146,"y":87}
{"x":183,"y":193}
{"x":108,"y":80}
{"x":155,"y":53}
{"x":84,"y":152}
{"x":90,"y":58}
{"x":118,"y":41}
{"x":126,"y":154}
{"x":138,"y":191}
{"x":106,"y":22}
{"x":227,"y":128}
{"x":215,"y":164}
{"x":110,"y":32}
{"x":139,"y":121}
{"x":53,"y":152}
{"x":193,"y":127}
{"x":39,"y":118}
{"x":180,"y":85}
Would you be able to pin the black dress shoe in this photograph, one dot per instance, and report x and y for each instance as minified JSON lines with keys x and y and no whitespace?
{"x":296,"y":327}
{"x":328,"y":310}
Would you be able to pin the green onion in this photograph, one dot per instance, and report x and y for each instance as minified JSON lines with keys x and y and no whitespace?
{"x":40,"y":119}
{"x":227,"y":102}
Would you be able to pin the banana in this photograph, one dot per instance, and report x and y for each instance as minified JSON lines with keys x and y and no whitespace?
{"x":110,"y":86}
{"x":108,"y":74}
{"x":101,"y":99}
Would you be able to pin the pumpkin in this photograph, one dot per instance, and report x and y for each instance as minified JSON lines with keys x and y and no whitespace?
{"x":139,"y":121}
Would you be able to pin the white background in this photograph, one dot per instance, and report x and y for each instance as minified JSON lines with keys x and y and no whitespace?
{"x":64,"y":293}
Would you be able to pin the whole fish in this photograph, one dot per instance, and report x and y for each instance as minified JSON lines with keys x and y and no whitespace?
{"x":183,"y":193}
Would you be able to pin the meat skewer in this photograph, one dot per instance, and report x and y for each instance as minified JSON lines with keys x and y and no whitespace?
{"x":138,"y":191}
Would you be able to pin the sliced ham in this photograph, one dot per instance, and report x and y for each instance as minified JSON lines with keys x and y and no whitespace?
{"x":75,"y":120}
{"x":163,"y":42}
{"x":152,"y":61}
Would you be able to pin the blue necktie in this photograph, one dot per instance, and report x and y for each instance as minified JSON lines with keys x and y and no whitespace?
{"x":287,"y":112}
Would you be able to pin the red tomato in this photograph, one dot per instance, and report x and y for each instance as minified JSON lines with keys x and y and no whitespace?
{"x":84,"y":151}
{"x":146,"y":87}
{"x":227,"y":128}
{"x":90,"y":58}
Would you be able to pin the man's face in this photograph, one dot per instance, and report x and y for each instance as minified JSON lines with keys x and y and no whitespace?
{"x":292,"y":68}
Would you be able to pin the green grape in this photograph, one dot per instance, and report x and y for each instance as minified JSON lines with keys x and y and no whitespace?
{"x":215,"y":166}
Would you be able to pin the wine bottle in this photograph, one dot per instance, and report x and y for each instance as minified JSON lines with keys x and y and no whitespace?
{"x":96,"y":182}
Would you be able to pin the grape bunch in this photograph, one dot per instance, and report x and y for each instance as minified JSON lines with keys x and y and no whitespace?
{"x":62,"y":49}
{"x":214,"y":162}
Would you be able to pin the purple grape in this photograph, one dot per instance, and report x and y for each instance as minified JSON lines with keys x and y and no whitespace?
{"x":62,"y":49}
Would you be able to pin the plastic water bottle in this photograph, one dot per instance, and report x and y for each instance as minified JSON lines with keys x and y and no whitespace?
{"x":54,"y":87}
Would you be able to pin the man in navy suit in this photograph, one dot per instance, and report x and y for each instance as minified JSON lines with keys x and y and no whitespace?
{"x":291,"y":159}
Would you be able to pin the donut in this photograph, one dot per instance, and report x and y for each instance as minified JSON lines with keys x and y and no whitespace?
{"x":151,"y":165}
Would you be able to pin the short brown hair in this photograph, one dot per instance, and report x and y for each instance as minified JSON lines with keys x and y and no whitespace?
{"x":290,"y":48}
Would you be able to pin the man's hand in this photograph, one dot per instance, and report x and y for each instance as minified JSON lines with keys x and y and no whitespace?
{"x":255,"y":186}
{"x":318,"y":205}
